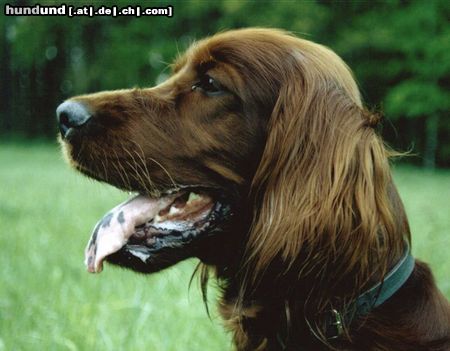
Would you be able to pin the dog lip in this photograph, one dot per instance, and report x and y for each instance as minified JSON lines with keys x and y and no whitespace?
{"x":144,"y":221}
{"x":172,"y":247}
{"x":187,"y":187}
{"x":195,"y":221}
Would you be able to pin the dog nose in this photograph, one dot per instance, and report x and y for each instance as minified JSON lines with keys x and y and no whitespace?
{"x":71,"y":114}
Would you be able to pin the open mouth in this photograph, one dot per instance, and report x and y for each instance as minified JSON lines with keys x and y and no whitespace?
{"x":142,"y":227}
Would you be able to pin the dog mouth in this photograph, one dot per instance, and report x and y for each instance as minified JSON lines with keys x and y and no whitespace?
{"x":143,"y":231}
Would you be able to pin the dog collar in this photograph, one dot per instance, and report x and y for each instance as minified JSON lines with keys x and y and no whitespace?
{"x":364,"y":303}
{"x":372,"y":298}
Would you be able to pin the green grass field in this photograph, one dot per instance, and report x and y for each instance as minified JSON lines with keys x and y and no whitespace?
{"x":49,"y":302}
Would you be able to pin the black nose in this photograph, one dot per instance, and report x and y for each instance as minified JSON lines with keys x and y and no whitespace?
{"x":71,"y":114}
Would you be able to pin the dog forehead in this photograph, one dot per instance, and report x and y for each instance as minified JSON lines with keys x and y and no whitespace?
{"x":232,"y":47}
{"x":195,"y":58}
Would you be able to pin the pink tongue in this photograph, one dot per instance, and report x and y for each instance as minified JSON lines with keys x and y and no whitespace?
{"x":112,"y":232}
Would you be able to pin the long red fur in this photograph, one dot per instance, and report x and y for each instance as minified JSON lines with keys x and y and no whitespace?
{"x":321,"y":219}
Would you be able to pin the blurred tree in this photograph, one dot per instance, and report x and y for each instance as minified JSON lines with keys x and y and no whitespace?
{"x":5,"y":75}
{"x":402,"y":55}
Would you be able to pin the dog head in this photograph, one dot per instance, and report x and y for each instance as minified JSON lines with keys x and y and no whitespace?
{"x":257,"y":146}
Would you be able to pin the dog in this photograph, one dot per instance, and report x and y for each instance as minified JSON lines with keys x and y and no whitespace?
{"x":258,"y":157}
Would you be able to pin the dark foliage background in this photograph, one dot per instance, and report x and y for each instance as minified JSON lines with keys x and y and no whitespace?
{"x":399,"y":51}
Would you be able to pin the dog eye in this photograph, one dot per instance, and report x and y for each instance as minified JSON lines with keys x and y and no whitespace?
{"x":208,"y":86}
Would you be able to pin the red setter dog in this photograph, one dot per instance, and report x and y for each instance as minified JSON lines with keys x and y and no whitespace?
{"x":258,"y":157}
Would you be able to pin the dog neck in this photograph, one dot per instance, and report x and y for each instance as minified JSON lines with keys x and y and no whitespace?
{"x":278,"y":317}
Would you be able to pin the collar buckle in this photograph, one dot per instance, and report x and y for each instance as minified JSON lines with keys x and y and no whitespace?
{"x":337,"y":324}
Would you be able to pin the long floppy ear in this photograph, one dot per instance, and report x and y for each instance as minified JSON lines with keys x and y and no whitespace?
{"x":325,"y":205}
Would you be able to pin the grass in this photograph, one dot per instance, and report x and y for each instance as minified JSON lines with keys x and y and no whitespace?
{"x":49,"y":302}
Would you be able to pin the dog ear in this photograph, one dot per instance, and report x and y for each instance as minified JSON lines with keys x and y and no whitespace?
{"x":324,"y":203}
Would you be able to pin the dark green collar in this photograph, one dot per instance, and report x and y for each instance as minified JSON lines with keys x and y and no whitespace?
{"x":373,"y":297}
{"x":366,"y":302}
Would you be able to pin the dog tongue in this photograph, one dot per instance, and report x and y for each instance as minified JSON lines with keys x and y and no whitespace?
{"x":112,"y":232}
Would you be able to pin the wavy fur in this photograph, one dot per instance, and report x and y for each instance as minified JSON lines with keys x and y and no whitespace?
{"x":318,"y":219}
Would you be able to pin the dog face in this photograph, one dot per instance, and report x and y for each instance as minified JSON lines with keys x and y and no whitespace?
{"x":200,"y":132}
{"x":246,"y":147}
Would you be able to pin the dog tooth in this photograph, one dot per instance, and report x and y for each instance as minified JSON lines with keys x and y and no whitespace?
{"x":157,"y":219}
{"x":173,"y":210}
{"x":192,"y":197}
